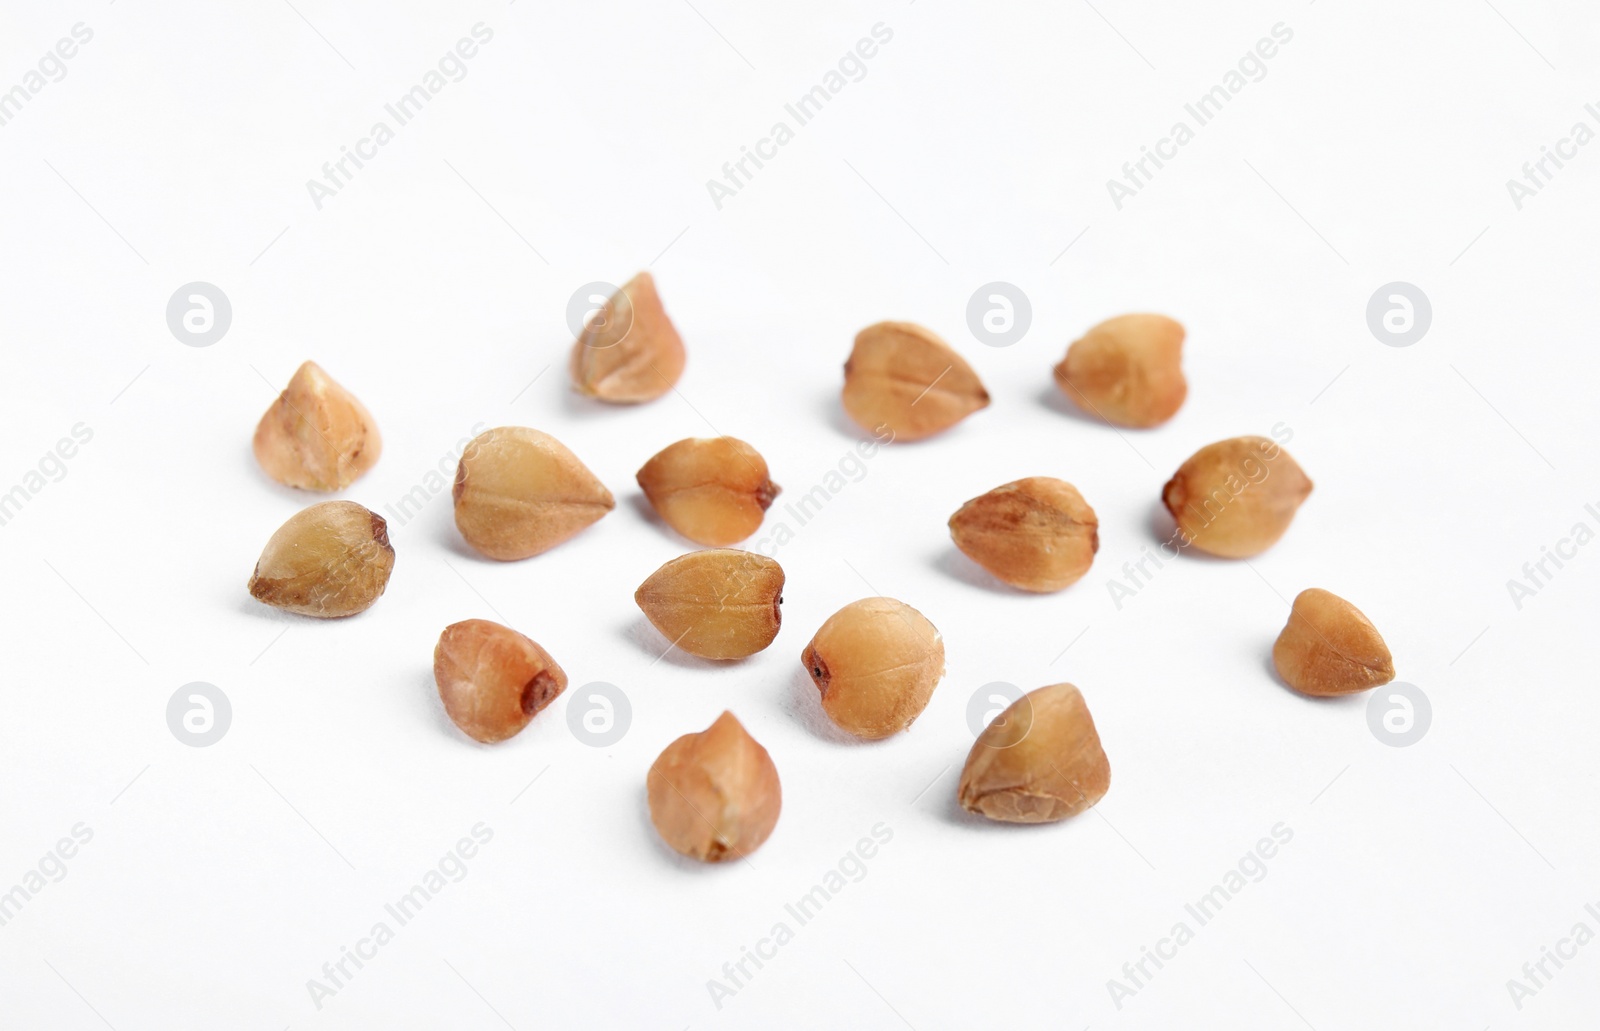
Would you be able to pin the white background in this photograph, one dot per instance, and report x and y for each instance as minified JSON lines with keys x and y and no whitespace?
{"x":219,"y":880}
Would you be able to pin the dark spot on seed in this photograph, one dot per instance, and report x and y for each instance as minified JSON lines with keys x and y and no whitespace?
{"x":817,"y":668}
{"x":380,"y":530}
{"x":539,"y":692}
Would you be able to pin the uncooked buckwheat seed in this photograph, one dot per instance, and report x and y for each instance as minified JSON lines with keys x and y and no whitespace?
{"x":717,"y":604}
{"x":1127,"y":370}
{"x":1330,"y":648}
{"x":1236,"y":497}
{"x":714,"y":795}
{"x":875,"y":663}
{"x":519,"y":492}
{"x":1037,"y":534}
{"x":1039,"y":761}
{"x":715,"y":491}
{"x":316,"y":435}
{"x":332,"y":559}
{"x":493,"y":680}
{"x":904,"y":377}
{"x":630,"y":352}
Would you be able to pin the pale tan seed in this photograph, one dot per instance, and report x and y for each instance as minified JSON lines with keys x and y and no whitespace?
{"x":1039,"y":761}
{"x":904,"y":378}
{"x":493,"y":680}
{"x":1236,"y":497}
{"x":875,"y":663}
{"x":1037,"y":534}
{"x":1330,"y":648}
{"x":714,"y":796}
{"x":519,"y":492}
{"x":316,"y":435}
{"x":718,"y":604}
{"x":332,"y":559}
{"x":713,"y":490}
{"x":1127,"y":370}
{"x":630,"y":351}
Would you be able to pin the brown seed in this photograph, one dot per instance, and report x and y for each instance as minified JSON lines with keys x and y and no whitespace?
{"x":714,"y":795}
{"x":493,"y":680}
{"x":1236,"y":497}
{"x":519,"y":492}
{"x":713,"y":490}
{"x":316,"y":435}
{"x":1037,"y":534}
{"x":907,"y":379}
{"x":332,"y":559}
{"x":875,"y":663}
{"x":719,"y":604}
{"x":1127,"y":370}
{"x":1039,"y":761}
{"x":1329,"y":648}
{"x":630,"y":351}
